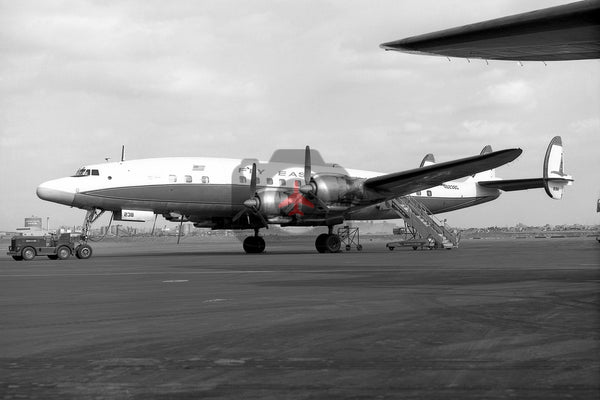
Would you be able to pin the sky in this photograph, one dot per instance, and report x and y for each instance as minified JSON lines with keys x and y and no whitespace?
{"x":239,"y":79}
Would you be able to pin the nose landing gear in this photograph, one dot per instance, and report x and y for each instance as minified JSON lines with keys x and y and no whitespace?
{"x":84,"y":251}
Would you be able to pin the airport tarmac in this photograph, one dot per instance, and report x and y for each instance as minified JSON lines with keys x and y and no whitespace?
{"x":152,"y":320}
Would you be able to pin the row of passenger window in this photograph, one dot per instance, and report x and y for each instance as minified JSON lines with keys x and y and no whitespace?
{"x":243,"y":180}
{"x":282,"y":182}
{"x":188,"y":179}
{"x":429,"y":194}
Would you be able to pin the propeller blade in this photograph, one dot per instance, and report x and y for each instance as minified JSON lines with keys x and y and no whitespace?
{"x":239,"y":214}
{"x":253,"y":180}
{"x":307,"y":166}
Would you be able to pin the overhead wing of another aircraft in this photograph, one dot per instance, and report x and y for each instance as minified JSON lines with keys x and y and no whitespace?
{"x":566,"y":32}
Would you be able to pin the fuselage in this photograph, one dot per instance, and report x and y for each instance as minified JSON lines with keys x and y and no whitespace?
{"x":207,"y":189}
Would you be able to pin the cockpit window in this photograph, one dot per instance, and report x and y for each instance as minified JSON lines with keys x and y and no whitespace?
{"x":82,"y":172}
{"x":86,"y":172}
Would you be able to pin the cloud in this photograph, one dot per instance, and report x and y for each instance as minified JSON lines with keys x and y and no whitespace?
{"x":482,"y":129}
{"x":512,"y":93}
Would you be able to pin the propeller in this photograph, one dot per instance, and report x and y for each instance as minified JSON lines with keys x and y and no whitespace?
{"x":310,"y":186}
{"x":252,"y":205}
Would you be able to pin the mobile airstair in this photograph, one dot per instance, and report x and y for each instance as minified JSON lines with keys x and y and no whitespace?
{"x":426,"y":231}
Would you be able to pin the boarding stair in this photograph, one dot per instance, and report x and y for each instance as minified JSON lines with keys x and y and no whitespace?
{"x":419,"y":220}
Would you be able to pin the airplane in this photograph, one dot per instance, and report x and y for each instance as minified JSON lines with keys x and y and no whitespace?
{"x":565,"y":32}
{"x":293,"y":188}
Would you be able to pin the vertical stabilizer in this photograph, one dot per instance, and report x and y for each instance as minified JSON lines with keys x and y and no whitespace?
{"x":555,"y":178}
{"x":429,"y":159}
{"x":485,"y":175}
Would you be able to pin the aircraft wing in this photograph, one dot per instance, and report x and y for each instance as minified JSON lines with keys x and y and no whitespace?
{"x":566,"y":32}
{"x":406,"y":182}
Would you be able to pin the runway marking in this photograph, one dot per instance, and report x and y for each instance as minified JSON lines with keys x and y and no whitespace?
{"x":299,"y":271}
{"x":215,"y":300}
{"x":132,"y":273}
{"x":176,"y":281}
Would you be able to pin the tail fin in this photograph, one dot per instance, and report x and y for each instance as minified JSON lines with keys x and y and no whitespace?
{"x":553,"y":181}
{"x":485,"y":175}
{"x":429,"y":159}
{"x":555,"y":178}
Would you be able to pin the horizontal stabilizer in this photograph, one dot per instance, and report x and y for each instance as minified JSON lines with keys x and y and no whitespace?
{"x":403,"y":183}
{"x":509,"y":185}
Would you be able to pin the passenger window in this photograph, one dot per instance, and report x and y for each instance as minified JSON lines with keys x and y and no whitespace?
{"x":188,"y":179}
{"x":172,"y":179}
{"x":282,"y":182}
{"x":205,"y":179}
{"x":429,"y":193}
{"x":242,"y":179}
{"x":269,"y":181}
{"x":418,"y":193}
{"x":198,"y":168}
{"x":95,"y":172}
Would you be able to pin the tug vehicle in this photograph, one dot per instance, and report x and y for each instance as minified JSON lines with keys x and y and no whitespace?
{"x":55,"y":247}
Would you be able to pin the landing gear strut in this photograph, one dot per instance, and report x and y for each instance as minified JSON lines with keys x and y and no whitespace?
{"x":328,"y":242}
{"x":83,"y":250}
{"x":254,"y":244}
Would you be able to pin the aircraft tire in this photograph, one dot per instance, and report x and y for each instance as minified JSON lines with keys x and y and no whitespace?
{"x":333,"y":243}
{"x":63,"y":252}
{"x":83,"y":251}
{"x":254,"y":245}
{"x":28,"y":253}
{"x":320,"y":243}
{"x":326,"y":243}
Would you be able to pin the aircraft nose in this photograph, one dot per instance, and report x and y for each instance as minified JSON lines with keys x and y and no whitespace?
{"x":51,"y":191}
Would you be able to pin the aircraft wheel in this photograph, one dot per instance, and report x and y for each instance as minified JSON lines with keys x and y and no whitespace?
{"x":254,"y":244}
{"x":83,"y":252}
{"x":17,"y":258}
{"x":320,"y":243}
{"x":63,"y":253}
{"x":359,"y":247}
{"x":333,"y":243}
{"x":391,"y":248}
{"x":28,"y":253}
{"x":348,"y":247}
{"x":52,"y":256}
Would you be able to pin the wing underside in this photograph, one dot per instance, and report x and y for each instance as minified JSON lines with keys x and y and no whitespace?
{"x":566,"y":32}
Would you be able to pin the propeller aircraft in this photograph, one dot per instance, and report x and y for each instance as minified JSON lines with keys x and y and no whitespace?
{"x":293,"y":188}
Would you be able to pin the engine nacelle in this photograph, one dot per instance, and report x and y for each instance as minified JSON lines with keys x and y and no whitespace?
{"x":337,"y":189}
{"x":279,"y":203}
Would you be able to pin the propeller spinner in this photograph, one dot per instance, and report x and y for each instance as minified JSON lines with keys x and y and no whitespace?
{"x":252,"y":205}
{"x":310,"y":186}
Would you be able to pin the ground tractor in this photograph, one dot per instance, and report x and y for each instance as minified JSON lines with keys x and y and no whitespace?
{"x":55,"y":247}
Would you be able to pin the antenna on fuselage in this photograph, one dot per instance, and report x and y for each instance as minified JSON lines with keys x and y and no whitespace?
{"x":122,"y":153}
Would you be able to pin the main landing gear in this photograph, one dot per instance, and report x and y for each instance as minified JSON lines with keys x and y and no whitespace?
{"x":254,"y":244}
{"x":325,"y":243}
{"x":328,"y":242}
